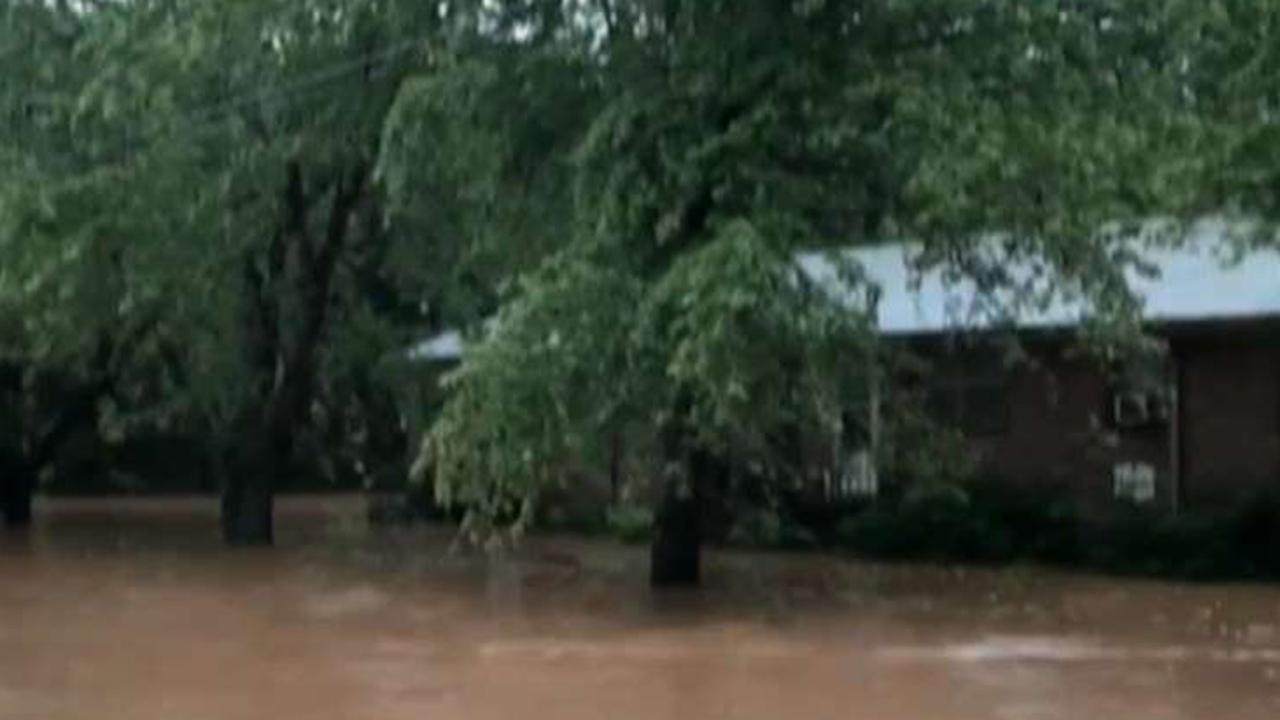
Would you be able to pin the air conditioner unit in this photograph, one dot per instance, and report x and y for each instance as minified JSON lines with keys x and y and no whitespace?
{"x":1134,"y":481}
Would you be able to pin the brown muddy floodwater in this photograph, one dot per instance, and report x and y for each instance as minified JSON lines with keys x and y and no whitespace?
{"x":130,"y":610}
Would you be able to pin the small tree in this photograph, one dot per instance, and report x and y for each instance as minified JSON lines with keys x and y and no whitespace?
{"x":730,"y":136}
{"x":206,"y":172}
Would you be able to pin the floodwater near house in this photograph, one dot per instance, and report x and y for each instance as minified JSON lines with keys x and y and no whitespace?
{"x":130,"y":609}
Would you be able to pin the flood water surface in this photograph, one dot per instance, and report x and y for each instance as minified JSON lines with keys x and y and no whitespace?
{"x":131,"y":610}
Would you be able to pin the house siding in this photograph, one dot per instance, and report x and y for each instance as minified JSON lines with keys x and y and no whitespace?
{"x":1230,"y":404}
{"x":1058,"y":439}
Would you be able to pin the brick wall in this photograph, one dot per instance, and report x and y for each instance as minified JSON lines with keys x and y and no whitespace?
{"x":1230,"y":403}
{"x":1058,"y":438}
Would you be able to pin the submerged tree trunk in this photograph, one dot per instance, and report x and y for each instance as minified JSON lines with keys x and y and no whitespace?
{"x":615,"y":467}
{"x":248,"y":495}
{"x":675,"y":559}
{"x":247,"y":512}
{"x":283,"y":350}
{"x":20,"y":469}
{"x":17,"y":485}
{"x":25,"y":454}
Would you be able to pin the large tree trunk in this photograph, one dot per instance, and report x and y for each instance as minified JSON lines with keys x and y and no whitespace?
{"x":675,"y":559}
{"x":17,"y":485}
{"x":247,"y":512}
{"x":248,"y":495}
{"x":285,"y":355}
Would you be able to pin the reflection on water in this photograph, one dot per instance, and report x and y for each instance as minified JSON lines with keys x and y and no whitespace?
{"x":114,"y":610}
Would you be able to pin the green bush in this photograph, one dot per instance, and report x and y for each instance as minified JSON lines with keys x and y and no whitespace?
{"x":1240,"y":542}
{"x":573,"y":519}
{"x":1054,"y":535}
{"x":1255,"y":534}
{"x":756,"y":527}
{"x":1137,"y":541}
{"x":796,"y":536}
{"x":630,"y":523}
{"x":934,"y":522}
{"x":1040,"y":526}
{"x":770,"y":527}
{"x":990,"y":523}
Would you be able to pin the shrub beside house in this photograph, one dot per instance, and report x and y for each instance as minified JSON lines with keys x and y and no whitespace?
{"x":1048,"y":453}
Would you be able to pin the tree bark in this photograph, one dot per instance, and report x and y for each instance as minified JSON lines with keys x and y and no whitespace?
{"x":675,"y":558}
{"x":20,"y":469}
{"x":615,"y":467}
{"x":17,"y":501}
{"x":285,"y":357}
{"x":23,"y":460}
{"x":247,"y":513}
{"x":248,"y":494}
{"x":17,"y":484}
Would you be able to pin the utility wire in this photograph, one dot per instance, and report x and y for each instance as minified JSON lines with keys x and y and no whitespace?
{"x":316,"y":77}
{"x":211,"y":118}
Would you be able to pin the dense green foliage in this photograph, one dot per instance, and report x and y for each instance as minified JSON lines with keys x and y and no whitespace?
{"x":991,"y":524}
{"x":193,"y":222}
{"x":224,"y":217}
{"x":721,"y":139}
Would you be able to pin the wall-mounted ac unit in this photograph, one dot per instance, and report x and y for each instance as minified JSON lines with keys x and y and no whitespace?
{"x":1134,"y":481}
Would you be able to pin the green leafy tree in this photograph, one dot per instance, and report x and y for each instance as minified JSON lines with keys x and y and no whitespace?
{"x":727,"y":138}
{"x":207,"y":173}
{"x":69,"y":330}
{"x":1224,"y":70}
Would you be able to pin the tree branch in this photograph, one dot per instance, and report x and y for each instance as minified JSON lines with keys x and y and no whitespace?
{"x":293,"y":390}
{"x":81,"y":408}
{"x":295,"y":214}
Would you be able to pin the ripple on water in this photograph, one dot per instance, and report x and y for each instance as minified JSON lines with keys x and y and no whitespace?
{"x":351,"y":601}
{"x":997,"y":648}
{"x":382,"y":625}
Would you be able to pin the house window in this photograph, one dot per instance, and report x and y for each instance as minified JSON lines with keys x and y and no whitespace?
{"x":856,"y":477}
{"x":970,"y":393}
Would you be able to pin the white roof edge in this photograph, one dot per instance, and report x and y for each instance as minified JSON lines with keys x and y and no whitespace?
{"x":1201,"y":277}
{"x":446,"y":345}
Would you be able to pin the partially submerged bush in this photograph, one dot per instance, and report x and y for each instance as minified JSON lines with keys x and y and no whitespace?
{"x":630,"y":523}
{"x":1239,"y":542}
{"x":1256,"y":535}
{"x":987,"y":523}
{"x":937,"y":522}
{"x":756,"y":527}
{"x":571,"y":518}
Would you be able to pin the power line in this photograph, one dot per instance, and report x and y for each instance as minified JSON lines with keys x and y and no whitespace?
{"x":316,"y":77}
{"x":313,"y":78}
{"x":210,"y":119}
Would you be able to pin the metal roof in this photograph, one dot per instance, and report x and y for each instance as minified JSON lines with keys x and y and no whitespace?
{"x":443,"y":347}
{"x":1201,"y":277}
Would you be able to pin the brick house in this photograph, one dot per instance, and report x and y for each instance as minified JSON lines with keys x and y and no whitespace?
{"x":1203,"y":430}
